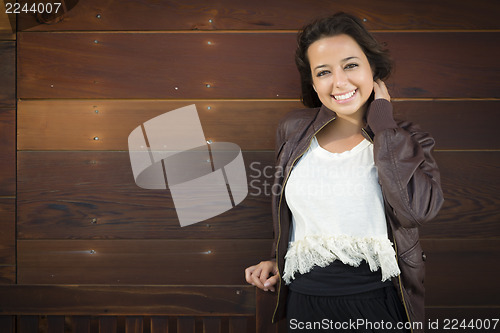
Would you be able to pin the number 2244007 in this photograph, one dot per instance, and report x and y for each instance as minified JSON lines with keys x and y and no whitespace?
{"x":18,"y":8}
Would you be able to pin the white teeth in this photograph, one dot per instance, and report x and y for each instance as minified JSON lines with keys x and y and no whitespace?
{"x":346,"y":96}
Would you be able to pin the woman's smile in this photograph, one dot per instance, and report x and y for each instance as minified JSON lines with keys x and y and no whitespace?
{"x":344,"y":98}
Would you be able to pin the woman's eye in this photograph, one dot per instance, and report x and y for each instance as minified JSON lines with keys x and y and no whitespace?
{"x":322,"y":73}
{"x":350,"y":66}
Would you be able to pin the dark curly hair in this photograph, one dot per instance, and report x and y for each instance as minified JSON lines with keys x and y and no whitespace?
{"x":337,"y":24}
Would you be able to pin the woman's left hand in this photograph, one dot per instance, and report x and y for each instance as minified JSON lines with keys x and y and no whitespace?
{"x":380,"y":90}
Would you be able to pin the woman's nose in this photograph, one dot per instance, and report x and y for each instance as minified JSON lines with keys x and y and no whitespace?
{"x":340,"y":79}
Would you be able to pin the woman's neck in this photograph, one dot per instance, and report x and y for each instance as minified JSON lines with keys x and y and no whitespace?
{"x":343,"y":127}
{"x":340,"y":135}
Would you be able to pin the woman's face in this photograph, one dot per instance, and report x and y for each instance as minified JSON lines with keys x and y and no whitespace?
{"x":341,"y":75}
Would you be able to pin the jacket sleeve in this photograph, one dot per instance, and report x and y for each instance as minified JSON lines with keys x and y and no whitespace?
{"x":407,"y":172}
{"x":280,"y":141}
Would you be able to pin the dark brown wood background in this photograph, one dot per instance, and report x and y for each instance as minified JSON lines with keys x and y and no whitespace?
{"x":78,"y":237}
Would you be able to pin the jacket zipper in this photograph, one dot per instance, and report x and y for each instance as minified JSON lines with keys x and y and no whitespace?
{"x":367,"y":135}
{"x":279,"y":210}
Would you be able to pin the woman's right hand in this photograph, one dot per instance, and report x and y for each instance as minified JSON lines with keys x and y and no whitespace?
{"x":263,"y":276}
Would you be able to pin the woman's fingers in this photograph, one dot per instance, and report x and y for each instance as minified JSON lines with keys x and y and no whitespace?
{"x":271,"y":282}
{"x":259,"y":275}
{"x":248,"y":273}
{"x":252,"y":275}
{"x":380,"y":90}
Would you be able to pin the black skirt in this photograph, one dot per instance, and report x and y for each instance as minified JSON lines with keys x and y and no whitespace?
{"x":379,"y":310}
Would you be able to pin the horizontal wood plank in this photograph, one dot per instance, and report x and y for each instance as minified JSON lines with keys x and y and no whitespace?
{"x":262,"y":15}
{"x":128,"y":300}
{"x":236,"y":65}
{"x":455,"y":125}
{"x":96,"y":197}
{"x":470,"y":187}
{"x":466,"y":268}
{"x":7,"y":274}
{"x":121,"y":262}
{"x":7,"y":152}
{"x":73,"y":124}
{"x":7,"y":240}
{"x":60,"y":205}
{"x":7,"y":74}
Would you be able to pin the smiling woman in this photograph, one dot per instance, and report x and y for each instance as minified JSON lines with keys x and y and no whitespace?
{"x":342,"y":76}
{"x":357,"y":186}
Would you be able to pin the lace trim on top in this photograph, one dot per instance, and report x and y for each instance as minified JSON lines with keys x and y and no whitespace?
{"x":321,"y":251}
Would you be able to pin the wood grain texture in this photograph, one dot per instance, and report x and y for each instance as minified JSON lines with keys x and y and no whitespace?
{"x":104,"y":189}
{"x":264,"y":309}
{"x":7,"y":25}
{"x":263,"y":15}
{"x":455,"y":125}
{"x":159,"y":324}
{"x":7,"y":240}
{"x":193,"y":262}
{"x":7,"y":74}
{"x":7,"y":152}
{"x":128,"y":300}
{"x":134,"y":324}
{"x":237,"y":65}
{"x":470,"y":184}
{"x":73,"y":124}
{"x":8,"y":274}
{"x":466,"y":268}
{"x":100,"y":186}
{"x":251,"y":124}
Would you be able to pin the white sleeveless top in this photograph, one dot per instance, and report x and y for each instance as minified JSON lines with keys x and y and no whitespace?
{"x":337,"y":212}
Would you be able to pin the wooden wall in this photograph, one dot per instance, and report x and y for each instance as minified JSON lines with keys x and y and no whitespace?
{"x":79,"y":238}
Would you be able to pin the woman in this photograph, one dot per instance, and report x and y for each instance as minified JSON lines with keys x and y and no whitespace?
{"x":356,"y":186}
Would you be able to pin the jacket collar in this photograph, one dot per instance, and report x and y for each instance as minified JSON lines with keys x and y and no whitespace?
{"x":325,"y":115}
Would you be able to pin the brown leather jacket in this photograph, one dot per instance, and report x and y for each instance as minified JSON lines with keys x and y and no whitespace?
{"x":410,"y":183}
